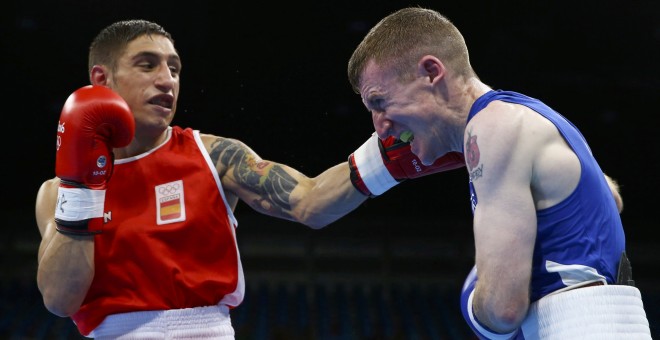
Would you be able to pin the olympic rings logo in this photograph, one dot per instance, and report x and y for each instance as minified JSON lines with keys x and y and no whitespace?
{"x":169,"y":189}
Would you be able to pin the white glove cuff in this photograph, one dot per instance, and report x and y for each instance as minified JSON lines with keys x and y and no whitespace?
{"x":77,"y":204}
{"x":369,"y":162}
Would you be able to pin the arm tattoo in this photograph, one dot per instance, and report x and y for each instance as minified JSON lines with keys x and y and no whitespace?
{"x":268,"y":180}
{"x":472,"y":156}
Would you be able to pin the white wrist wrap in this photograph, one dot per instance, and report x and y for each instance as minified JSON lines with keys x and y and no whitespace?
{"x":373,"y":172}
{"x":77,"y":204}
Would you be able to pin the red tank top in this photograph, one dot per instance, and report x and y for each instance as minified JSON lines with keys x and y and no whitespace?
{"x":168,"y":240}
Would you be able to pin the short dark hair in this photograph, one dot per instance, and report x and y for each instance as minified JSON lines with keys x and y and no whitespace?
{"x":111,"y":42}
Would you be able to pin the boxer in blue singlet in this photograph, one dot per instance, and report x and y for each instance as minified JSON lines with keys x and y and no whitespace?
{"x":550,"y":247}
{"x":580,"y":240}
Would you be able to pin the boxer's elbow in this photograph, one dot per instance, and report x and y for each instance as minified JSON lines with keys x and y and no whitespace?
{"x":58,"y":305}
{"x":503,"y":315}
{"x":508,"y":319}
{"x":314,"y":216}
{"x":314,"y":221}
{"x":59,"y":300}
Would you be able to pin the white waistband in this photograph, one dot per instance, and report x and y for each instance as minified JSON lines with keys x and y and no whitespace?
{"x":598,"y":312}
{"x":213,"y":321}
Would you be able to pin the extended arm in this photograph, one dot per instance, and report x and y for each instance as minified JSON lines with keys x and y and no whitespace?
{"x":281,"y":191}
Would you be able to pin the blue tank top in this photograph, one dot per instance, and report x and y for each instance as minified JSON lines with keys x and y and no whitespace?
{"x":580,"y":238}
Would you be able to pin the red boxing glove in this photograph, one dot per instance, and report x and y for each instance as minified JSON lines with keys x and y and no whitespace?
{"x":378,"y":165}
{"x":94,"y":120}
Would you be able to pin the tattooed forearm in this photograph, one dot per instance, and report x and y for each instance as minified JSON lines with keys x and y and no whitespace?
{"x":266,"y":179}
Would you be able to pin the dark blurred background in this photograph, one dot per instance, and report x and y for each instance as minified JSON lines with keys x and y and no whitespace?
{"x":274,"y":76}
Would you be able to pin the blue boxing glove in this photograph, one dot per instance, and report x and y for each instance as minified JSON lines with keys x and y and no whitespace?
{"x":483,"y":332}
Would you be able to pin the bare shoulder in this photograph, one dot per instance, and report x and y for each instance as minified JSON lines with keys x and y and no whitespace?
{"x":214,"y":143}
{"x":517,"y":147}
{"x":496,"y":129}
{"x":508,"y":125}
{"x":505,"y":136}
{"x":227,"y":152}
{"x":503,"y":116}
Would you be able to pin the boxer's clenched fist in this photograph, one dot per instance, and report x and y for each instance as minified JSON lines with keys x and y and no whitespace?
{"x":378,"y":165}
{"x":94,"y":120}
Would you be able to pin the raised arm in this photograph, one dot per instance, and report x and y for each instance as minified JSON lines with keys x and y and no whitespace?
{"x":69,"y":208}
